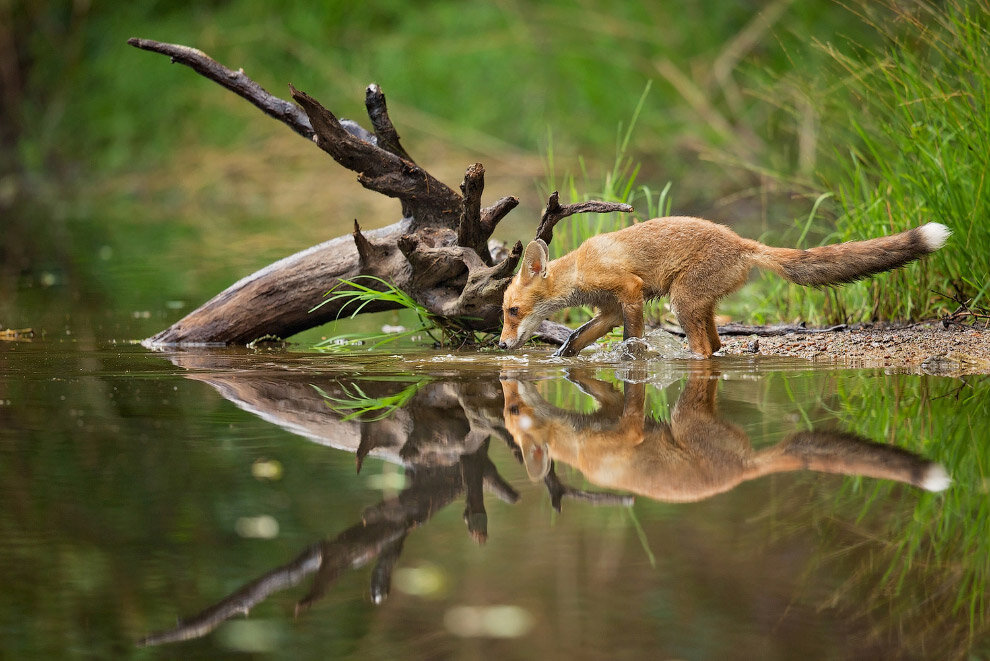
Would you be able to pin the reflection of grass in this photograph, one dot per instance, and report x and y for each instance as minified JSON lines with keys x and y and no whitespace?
{"x":358,"y":404}
{"x":937,"y":560}
{"x":912,"y":565}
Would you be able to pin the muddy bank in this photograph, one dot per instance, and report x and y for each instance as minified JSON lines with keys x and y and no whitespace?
{"x":926,"y":347}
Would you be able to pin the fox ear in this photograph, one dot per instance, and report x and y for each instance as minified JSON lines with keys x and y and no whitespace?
{"x":537,"y":460}
{"x":535,"y":259}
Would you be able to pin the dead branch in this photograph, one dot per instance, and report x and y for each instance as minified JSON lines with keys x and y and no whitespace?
{"x":236,"y":81}
{"x":555,"y":212}
{"x":964,"y":310}
{"x":764,"y":331}
{"x":387,"y":136}
{"x":470,"y":231}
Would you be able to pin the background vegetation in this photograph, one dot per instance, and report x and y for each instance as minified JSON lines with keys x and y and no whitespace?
{"x":126,"y":181}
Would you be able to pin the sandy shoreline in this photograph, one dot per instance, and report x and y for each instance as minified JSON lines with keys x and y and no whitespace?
{"x":926,"y":347}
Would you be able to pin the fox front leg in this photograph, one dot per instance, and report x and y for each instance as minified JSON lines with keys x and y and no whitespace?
{"x":568,"y":348}
{"x":607,"y":319}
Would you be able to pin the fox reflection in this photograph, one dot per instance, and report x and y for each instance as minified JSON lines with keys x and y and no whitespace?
{"x":695,"y":456}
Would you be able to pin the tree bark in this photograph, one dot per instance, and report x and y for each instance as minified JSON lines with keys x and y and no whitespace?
{"x":437,"y":253}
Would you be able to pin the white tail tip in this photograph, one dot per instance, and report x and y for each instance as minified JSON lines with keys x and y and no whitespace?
{"x":934,"y":235}
{"x":936,"y":478}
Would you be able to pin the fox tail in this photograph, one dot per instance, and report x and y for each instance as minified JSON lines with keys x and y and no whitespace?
{"x":849,"y":454}
{"x":847,"y":262}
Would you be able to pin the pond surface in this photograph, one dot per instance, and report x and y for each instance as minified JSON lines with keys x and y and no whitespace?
{"x":465,"y":505}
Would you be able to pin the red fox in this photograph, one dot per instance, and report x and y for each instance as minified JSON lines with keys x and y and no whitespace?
{"x":693,"y":261}
{"x":694,"y":456}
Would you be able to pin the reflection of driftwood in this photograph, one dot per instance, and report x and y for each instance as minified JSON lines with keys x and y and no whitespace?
{"x":440,"y":424}
{"x":241,"y":602}
{"x":696,"y":455}
{"x":438,"y":253}
{"x":379,"y":534}
{"x":441,"y":436}
{"x":432,"y":428}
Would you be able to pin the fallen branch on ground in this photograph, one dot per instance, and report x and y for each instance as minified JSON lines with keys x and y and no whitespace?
{"x":763,"y":331}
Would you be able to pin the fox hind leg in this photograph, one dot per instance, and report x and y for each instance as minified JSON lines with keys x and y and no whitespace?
{"x":695,"y":327}
{"x":713,"y":338}
{"x":697,"y":318}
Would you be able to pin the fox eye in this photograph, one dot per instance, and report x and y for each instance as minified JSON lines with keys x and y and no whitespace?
{"x":513,"y":312}
{"x":514,"y":410}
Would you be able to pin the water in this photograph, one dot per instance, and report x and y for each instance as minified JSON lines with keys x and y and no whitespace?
{"x":506,"y":507}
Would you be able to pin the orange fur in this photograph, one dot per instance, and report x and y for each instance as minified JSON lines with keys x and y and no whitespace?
{"x":694,"y":456}
{"x":693,"y":261}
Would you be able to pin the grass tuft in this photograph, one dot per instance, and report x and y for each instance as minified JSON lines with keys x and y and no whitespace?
{"x":443,"y":331}
{"x":904,"y":140}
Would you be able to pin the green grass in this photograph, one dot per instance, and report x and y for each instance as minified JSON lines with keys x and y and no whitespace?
{"x":442,"y":331}
{"x":904,"y":139}
{"x":356,"y":404}
{"x":915,"y":564}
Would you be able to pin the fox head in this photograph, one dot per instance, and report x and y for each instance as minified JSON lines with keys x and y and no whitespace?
{"x":527,"y":428}
{"x":527,"y":301}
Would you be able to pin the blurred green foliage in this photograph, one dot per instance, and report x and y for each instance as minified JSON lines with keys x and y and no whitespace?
{"x":506,"y":70}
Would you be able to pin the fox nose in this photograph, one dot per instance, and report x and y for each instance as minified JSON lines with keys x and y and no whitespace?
{"x":503,"y":345}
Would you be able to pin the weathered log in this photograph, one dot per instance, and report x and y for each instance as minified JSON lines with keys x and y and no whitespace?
{"x":437,"y":253}
{"x":277,"y":299}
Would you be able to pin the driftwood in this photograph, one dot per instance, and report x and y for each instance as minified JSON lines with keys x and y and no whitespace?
{"x":437,"y":253}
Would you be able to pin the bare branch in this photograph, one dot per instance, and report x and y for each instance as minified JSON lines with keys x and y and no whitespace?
{"x":236,"y":81}
{"x":432,"y":266}
{"x":553,"y":333}
{"x":763,"y":331}
{"x":482,"y":293}
{"x":470,"y":232}
{"x":373,"y":256}
{"x":387,"y":136}
{"x":555,"y":212}
{"x":490,"y":216}
{"x":380,"y":170}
